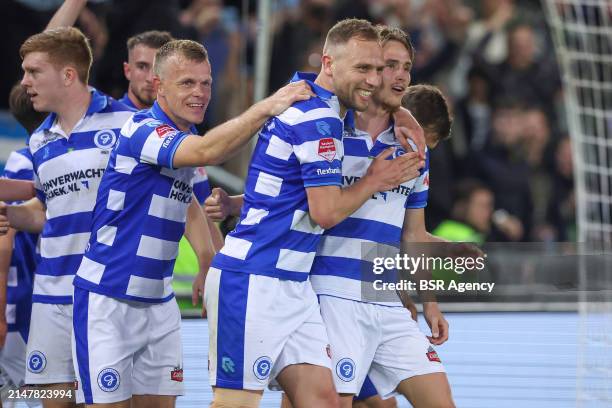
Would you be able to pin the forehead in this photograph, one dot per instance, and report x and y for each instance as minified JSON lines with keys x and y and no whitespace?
{"x":177,"y":67}
{"x":395,"y":50}
{"x":363,"y":50}
{"x":141,"y":52}
{"x":36,"y":58}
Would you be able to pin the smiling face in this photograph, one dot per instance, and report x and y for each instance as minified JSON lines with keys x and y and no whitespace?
{"x":356,"y":69}
{"x":395,"y":76}
{"x":184,"y":89}
{"x":139,"y":71}
{"x":43,"y":81}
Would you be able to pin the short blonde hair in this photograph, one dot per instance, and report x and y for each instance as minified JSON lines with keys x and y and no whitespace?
{"x":188,"y":49}
{"x":64,"y":46}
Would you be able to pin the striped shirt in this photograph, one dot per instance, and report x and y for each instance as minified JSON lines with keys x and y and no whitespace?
{"x":67,"y":173}
{"x":24,"y":257}
{"x":298,"y":149}
{"x":342,"y":262}
{"x":140,"y":213}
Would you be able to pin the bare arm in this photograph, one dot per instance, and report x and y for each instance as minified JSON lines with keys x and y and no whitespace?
{"x":16,"y":190}
{"x":226,"y":139}
{"x":198,"y":234}
{"x":414,"y":231}
{"x":6,"y":251}
{"x":29,"y":216}
{"x":215,"y":233}
{"x":330,"y":205}
{"x":67,"y":14}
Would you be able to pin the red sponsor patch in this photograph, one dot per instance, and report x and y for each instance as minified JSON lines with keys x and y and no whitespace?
{"x":432,"y":355}
{"x":163,"y":130}
{"x":327,"y":148}
{"x":177,"y":374}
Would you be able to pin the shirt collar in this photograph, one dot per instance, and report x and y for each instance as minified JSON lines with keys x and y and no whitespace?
{"x":127,"y":101}
{"x":158,"y":113}
{"x":326,"y":95}
{"x":98,"y":102}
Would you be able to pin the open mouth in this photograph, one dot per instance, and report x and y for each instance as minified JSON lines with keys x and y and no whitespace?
{"x":398,"y":88}
{"x":364,"y":94}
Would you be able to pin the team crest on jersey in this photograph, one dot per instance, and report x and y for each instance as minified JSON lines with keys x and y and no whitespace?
{"x":36,"y":362}
{"x":323,"y":128}
{"x":105,"y":139}
{"x":163,"y":130}
{"x":345,"y":369}
{"x":432,"y":355}
{"x":398,"y":152}
{"x":177,"y":374}
{"x":262,"y":367}
{"x":327,"y":148}
{"x":109,"y":380}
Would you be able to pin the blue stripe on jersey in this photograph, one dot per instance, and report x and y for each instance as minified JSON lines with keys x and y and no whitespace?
{"x":81,"y":339}
{"x":298,"y":149}
{"x":231,"y":322}
{"x":68,"y":171}
{"x":379,"y":221}
{"x":23,"y":258}
{"x":139,"y":215}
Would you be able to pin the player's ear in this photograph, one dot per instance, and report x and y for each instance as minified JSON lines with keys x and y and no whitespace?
{"x":126,"y":70}
{"x":158,"y":85}
{"x":69,"y":75}
{"x":326,"y":64}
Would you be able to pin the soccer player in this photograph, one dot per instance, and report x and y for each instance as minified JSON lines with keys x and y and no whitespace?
{"x":70,"y":151}
{"x":264,"y":318}
{"x":127,"y":323}
{"x":138,"y":69}
{"x":368,"y":336}
{"x":18,"y":257}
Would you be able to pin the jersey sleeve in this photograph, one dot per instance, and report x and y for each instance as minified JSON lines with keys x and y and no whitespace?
{"x":201,"y":185}
{"x":153,"y":142}
{"x":317,"y":145}
{"x":19,"y":167}
{"x":420,"y":192}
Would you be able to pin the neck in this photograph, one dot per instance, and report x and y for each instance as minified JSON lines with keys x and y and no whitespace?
{"x":132,"y":97}
{"x":325,"y":82}
{"x":374,"y":120}
{"x":73,"y":108}
{"x":181,"y":124}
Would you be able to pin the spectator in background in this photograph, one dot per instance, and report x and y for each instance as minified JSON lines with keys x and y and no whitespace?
{"x":297,"y":39}
{"x":473,"y":217}
{"x":503,"y":167}
{"x":561,"y":211}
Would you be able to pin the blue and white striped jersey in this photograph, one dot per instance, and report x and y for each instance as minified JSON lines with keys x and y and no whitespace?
{"x":298,"y":149}
{"x":201,"y":185}
{"x":140,"y":213}
{"x":67,"y":173}
{"x":24,"y":257}
{"x":340,"y":266}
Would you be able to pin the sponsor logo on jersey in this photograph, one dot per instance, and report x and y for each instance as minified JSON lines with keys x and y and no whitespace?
{"x":177,"y":374}
{"x":327,"y":148}
{"x":432,"y":355}
{"x":163,"y":130}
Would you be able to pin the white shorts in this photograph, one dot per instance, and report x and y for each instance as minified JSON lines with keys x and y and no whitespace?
{"x":258,"y":325}
{"x":124,"y":348}
{"x":380,"y":341}
{"x":13,"y":357}
{"x":49,"y":355}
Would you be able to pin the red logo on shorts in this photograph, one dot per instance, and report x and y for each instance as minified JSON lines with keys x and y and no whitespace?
{"x":327,"y":148}
{"x":177,"y":374}
{"x":163,"y":130}
{"x":432,"y":355}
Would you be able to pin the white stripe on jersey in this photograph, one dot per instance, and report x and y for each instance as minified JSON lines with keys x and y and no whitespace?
{"x":268,"y":184}
{"x":302,"y":221}
{"x":295,"y":261}
{"x":71,"y":244}
{"x":168,"y":209}
{"x":149,"y":288}
{"x":156,"y":248}
{"x":279,"y":148}
{"x":47,"y":285}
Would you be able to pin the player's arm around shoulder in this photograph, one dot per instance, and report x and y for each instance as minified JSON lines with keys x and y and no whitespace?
{"x":226,"y":139}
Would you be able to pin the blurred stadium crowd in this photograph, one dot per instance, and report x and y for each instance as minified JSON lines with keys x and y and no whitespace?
{"x":506,"y":174}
